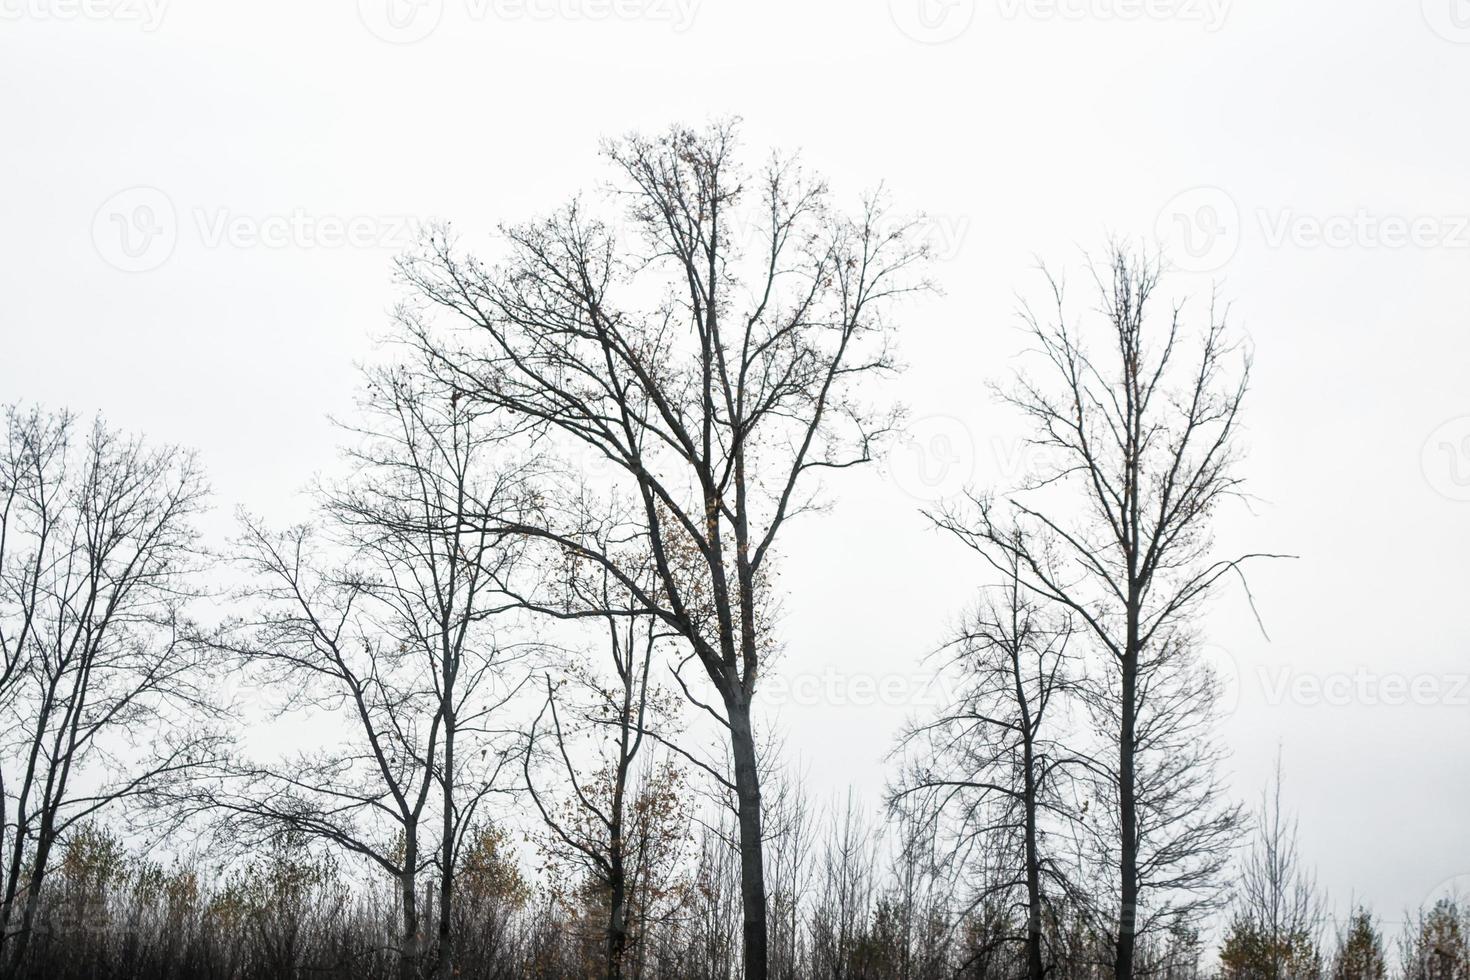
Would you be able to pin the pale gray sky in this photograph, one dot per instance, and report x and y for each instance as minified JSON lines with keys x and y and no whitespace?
{"x":201,"y":201}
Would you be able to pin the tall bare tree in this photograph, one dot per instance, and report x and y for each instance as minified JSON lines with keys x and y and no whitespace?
{"x":103,"y":687}
{"x":383,"y":622}
{"x":992,"y":764}
{"x":1138,"y":444}
{"x":708,"y":350}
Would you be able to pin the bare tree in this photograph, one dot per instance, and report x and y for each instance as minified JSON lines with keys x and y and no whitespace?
{"x":621,"y":819}
{"x":103,"y":688}
{"x":1274,"y":931}
{"x":1140,"y":446}
{"x":991,"y":765}
{"x":845,"y":893}
{"x":919,"y":901}
{"x":791,"y":833}
{"x":715,"y":378}
{"x":384,"y":623}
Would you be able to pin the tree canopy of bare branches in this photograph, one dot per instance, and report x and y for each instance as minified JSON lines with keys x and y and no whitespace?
{"x":103,"y":689}
{"x":706,"y":344}
{"x":993,"y":765}
{"x":381,"y":623}
{"x":1136,"y":420}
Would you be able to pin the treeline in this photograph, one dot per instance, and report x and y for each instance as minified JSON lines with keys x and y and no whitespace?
{"x":293,"y":912}
{"x":290,"y":912}
{"x":493,"y":709}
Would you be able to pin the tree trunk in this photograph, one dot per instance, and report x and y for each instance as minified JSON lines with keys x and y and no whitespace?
{"x":752,"y":865}
{"x":444,"y":961}
{"x":617,"y":926}
{"x":409,"y":949}
{"x":32,"y":898}
{"x":1128,"y":825}
{"x":1034,"y":967}
{"x":444,"y":953}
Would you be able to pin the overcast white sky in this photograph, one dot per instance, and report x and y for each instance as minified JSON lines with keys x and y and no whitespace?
{"x":177,"y":178}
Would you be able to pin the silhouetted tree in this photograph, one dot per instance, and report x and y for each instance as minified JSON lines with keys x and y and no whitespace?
{"x":716,"y":379}
{"x":1275,"y":925}
{"x":1137,"y":441}
{"x":992,"y":763}
{"x":620,"y":818}
{"x":382,"y":623}
{"x":104,"y":693}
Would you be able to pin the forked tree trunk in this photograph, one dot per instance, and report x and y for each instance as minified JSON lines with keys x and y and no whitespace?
{"x":31,"y":899}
